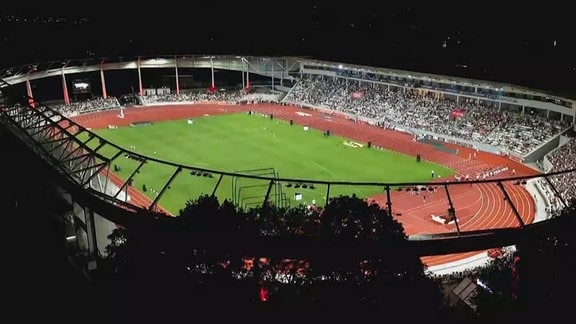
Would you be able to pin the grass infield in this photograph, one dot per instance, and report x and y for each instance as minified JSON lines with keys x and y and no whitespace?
{"x":239,"y":142}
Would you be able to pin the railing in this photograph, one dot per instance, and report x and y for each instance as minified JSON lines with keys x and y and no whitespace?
{"x":86,"y":161}
{"x":89,"y":160}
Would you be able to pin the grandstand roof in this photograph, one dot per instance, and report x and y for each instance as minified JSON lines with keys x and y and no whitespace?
{"x":18,"y":74}
{"x":435,"y":77}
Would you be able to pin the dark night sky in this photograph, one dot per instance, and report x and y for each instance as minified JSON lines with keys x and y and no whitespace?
{"x":528,"y":45}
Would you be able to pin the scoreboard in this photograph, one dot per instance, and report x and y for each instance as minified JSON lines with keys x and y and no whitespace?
{"x":80,"y":86}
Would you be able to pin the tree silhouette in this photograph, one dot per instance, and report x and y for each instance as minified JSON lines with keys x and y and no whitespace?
{"x":351,"y":254}
{"x":350,"y":218}
{"x":536,"y":281}
{"x":389,"y":282}
{"x":118,"y":255}
{"x":544,"y":272}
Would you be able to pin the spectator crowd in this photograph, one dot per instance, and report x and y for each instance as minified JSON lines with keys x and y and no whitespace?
{"x":231,"y":97}
{"x":88,"y":106}
{"x":479,"y":121}
{"x":563,"y":158}
{"x":512,"y":132}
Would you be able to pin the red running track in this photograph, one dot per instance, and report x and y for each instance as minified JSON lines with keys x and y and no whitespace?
{"x":477,"y":207}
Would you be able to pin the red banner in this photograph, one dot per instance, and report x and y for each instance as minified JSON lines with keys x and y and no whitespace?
{"x":456,"y":113}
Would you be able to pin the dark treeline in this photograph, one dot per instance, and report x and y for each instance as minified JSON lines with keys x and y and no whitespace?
{"x":209,"y":250}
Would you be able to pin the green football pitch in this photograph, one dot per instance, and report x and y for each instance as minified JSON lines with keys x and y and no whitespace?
{"x":239,"y":142}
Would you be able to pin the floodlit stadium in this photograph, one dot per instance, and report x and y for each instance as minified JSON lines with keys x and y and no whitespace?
{"x":453,"y":160}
